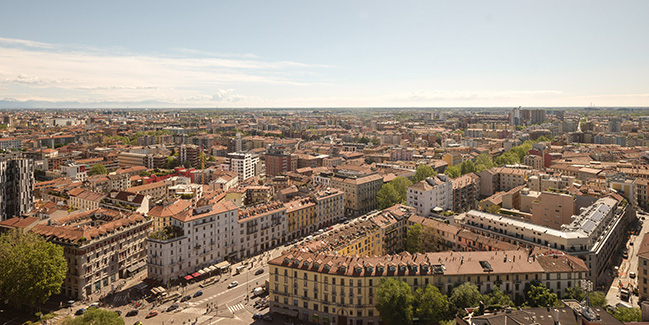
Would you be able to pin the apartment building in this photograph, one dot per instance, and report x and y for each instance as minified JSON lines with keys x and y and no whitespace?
{"x":193,"y":242}
{"x":534,"y":161}
{"x":118,"y":182}
{"x":543,"y":182}
{"x":325,"y":288}
{"x":244,"y":164}
{"x":360,"y":190}
{"x":553,"y":209}
{"x":330,"y":206}
{"x":101,"y":247}
{"x":642,"y":190}
{"x":128,"y":159}
{"x":432,"y":195}
{"x":74,"y":171}
{"x":191,"y":153}
{"x":126,"y":202}
{"x":301,"y":216}
{"x":155,"y":191}
{"x":262,"y":228}
{"x":466,"y":192}
{"x":595,"y":235}
{"x":643,"y":267}
{"x":163,"y":214}
{"x":363,"y":237}
{"x":501,"y":179}
{"x":16,"y":187}
{"x":279,"y":160}
{"x":85,"y":200}
{"x":393,"y":222}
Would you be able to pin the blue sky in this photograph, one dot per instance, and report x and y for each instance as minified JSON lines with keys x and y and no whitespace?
{"x":325,"y":53}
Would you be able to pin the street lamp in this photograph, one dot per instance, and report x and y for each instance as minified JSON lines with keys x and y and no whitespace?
{"x":588,"y":285}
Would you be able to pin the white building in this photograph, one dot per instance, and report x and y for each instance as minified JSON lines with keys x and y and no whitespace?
{"x":595,"y":235}
{"x":193,"y":242}
{"x":74,"y":171}
{"x":431,"y":193}
{"x":245,"y":164}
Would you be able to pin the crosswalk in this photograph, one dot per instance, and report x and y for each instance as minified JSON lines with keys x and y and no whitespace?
{"x":235,"y":308}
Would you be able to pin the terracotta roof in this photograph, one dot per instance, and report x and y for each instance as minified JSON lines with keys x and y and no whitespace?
{"x":169,"y":210}
{"x":18,"y":222}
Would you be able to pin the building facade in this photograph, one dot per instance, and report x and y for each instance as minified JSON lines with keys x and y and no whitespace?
{"x":432,"y":195}
{"x":16,"y":187}
{"x":360,"y":191}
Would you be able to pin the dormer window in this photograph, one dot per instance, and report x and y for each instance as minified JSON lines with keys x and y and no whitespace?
{"x":402,"y":268}
{"x":413,"y":268}
{"x":327,"y":267}
{"x":369,"y":269}
{"x":342,"y":268}
{"x":358,"y":269}
{"x":380,"y":269}
{"x":392,"y":268}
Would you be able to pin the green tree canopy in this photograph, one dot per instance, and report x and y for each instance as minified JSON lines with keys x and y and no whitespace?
{"x":388,"y":196}
{"x":467,"y":166}
{"x":497,"y":298}
{"x":413,"y":239}
{"x":212,"y":158}
{"x":485,"y":160}
{"x":95,"y":316}
{"x":598,"y":298}
{"x":394,"y":301}
{"x":31,"y":269}
{"x":432,"y":305}
{"x":538,"y":295}
{"x":576,"y":293}
{"x":401,"y":185}
{"x":465,"y":295}
{"x":508,"y":158}
{"x":423,"y":171}
{"x":430,"y":240}
{"x":97,"y":169}
{"x":452,"y":172}
{"x":187,"y":164}
{"x":628,"y":315}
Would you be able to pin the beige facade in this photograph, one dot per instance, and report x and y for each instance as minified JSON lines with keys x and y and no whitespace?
{"x":360,"y":191}
{"x":332,"y":289}
{"x":553,"y":209}
{"x":111,"y":248}
{"x":156,"y":191}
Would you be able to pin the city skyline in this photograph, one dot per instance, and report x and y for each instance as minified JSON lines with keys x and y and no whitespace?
{"x":342,"y":54}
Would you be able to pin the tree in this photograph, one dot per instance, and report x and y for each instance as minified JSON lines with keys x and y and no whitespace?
{"x":423,"y":171}
{"x":538,"y":295}
{"x":95,"y":316}
{"x":598,"y":298}
{"x":394,"y":301}
{"x":413,"y":239}
{"x":465,"y":295}
{"x":452,"y":172}
{"x":401,"y":185}
{"x":508,"y":158}
{"x":187,"y":164}
{"x":576,"y":293}
{"x":387,"y":196}
{"x":430,"y":240}
{"x":467,"y":166}
{"x":432,"y":305}
{"x":97,"y":169}
{"x":485,"y":160}
{"x":627,"y":315}
{"x":497,"y":298}
{"x":145,"y":173}
{"x":212,"y":158}
{"x":31,"y":269}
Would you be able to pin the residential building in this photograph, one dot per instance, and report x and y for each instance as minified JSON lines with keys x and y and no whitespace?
{"x":453,"y":158}
{"x":301,"y":217}
{"x":330,"y":206}
{"x":244,"y":164}
{"x":118,"y":182}
{"x":279,"y":160}
{"x":466,"y":191}
{"x":432,"y":195}
{"x":155,"y":191}
{"x":101,"y":247}
{"x":191,"y":153}
{"x":534,"y":161}
{"x":543,"y":182}
{"x":16,"y":187}
{"x":155,"y":161}
{"x":126,"y":202}
{"x":643,"y":267}
{"x":595,"y":235}
{"x":625,"y":186}
{"x":327,"y":288}
{"x":537,"y":116}
{"x":192,"y":242}
{"x":261,"y":228}
{"x":162,"y":214}
{"x":74,"y":171}
{"x":85,"y":200}
{"x":553,"y":209}
{"x":128,"y":159}
{"x":360,"y":190}
{"x":642,"y":190}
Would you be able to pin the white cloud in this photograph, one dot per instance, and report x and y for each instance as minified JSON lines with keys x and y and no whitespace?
{"x":227,"y":95}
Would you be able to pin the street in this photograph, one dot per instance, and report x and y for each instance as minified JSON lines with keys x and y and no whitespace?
{"x":627,"y":266}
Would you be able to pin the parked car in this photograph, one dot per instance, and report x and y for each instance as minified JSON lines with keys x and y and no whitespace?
{"x":267,"y":318}
{"x":132,"y":313}
{"x":152,"y":313}
{"x":632,"y":275}
{"x":138,"y":323}
{"x":94,"y":305}
{"x":185,"y":298}
{"x":260,"y":271}
{"x":198,"y":293}
{"x":233,"y":284}
{"x":69,"y":303}
{"x":80,"y":311}
{"x":257,"y":316}
{"x":172,"y":307}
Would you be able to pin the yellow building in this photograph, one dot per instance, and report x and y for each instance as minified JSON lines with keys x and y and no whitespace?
{"x":325,"y":288}
{"x":301,"y":217}
{"x":643,"y":266}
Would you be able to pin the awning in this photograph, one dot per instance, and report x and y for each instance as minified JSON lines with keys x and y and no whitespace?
{"x":223,"y":265}
{"x":201,"y":272}
{"x":188,"y":277}
{"x":206,"y":270}
{"x":196,"y":274}
{"x":212,"y":268}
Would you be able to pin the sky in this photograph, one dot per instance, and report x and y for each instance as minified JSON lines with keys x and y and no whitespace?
{"x":238,"y":54}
